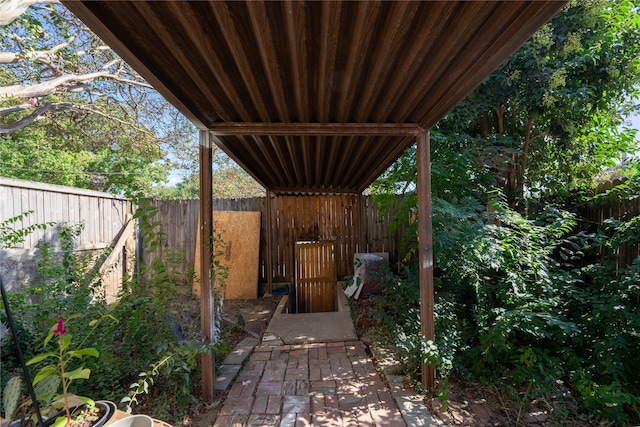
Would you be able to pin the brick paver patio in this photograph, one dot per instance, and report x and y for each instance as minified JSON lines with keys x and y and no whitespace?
{"x":332,"y":384}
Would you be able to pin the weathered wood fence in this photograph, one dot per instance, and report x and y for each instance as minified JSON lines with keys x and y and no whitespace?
{"x":107,"y":224}
{"x":106,"y":219}
{"x":333,"y":217}
{"x":294,"y":218}
{"x":593,"y":216}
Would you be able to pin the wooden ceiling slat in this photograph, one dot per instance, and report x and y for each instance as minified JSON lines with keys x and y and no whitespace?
{"x":295,"y":160}
{"x":460,"y":27}
{"x":223,"y":144}
{"x":386,"y":160}
{"x":352,"y":157}
{"x":251,"y":150}
{"x":357,"y":39}
{"x":238,"y":50}
{"x":97,"y":18}
{"x":331,"y":141}
{"x":509,"y":39}
{"x":370,"y":153}
{"x":152,"y":27}
{"x":270,"y":158}
{"x":329,"y":33}
{"x":419,"y":46}
{"x":459,"y":32}
{"x":266,"y":49}
{"x":294,"y":16}
{"x":393,"y":29}
{"x":278,"y":147}
{"x":197,"y":38}
{"x":307,"y":161}
{"x":320,"y":160}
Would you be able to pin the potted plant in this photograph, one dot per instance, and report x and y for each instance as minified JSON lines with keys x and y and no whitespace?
{"x":69,"y":410}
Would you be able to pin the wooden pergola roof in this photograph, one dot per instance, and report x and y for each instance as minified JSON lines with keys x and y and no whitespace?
{"x":317,"y":96}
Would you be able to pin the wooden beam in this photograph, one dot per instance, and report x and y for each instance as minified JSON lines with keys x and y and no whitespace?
{"x":207,"y":323}
{"x":269,"y":256}
{"x":315,"y":129}
{"x":425,"y":250}
{"x":307,"y":191}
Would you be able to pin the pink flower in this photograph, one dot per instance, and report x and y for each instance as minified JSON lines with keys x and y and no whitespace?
{"x":60,"y":330}
{"x":32,"y":101}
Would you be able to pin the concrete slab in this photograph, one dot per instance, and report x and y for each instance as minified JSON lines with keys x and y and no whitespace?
{"x":241,"y":352}
{"x":225,"y":376}
{"x":415,"y":413}
{"x":305,"y":328}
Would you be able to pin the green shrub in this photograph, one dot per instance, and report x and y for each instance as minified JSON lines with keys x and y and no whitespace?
{"x":157,"y":328}
{"x":521,"y":305}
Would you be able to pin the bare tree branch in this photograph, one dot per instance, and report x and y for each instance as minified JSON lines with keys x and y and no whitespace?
{"x":15,"y":108}
{"x":37,"y":114}
{"x":66,"y":81}
{"x":44,"y":57}
{"x":11,"y":9}
{"x":56,"y":107}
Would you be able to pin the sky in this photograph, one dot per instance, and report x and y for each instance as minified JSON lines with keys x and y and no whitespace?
{"x":635,"y":123}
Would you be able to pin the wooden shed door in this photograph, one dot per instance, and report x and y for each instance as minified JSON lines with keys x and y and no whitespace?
{"x":315,"y":285}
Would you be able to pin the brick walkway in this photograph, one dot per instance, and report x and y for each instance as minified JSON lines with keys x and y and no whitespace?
{"x":332,"y":384}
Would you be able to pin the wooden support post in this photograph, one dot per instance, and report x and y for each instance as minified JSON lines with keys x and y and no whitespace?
{"x":425,"y":250}
{"x":269,"y":256}
{"x":207,"y":324}
{"x":360,"y":224}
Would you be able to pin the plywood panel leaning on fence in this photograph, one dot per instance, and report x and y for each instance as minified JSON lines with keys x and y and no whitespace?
{"x":240,"y":252}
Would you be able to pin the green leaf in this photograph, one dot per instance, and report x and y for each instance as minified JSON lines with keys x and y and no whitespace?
{"x":87,"y":400}
{"x":40,"y":358}
{"x":80,"y":373}
{"x":65,"y":341}
{"x":44,"y":373}
{"x":85,"y":352}
{"x":60,"y":422}
{"x":48,"y":338}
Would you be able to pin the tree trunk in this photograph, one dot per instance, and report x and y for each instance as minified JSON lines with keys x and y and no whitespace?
{"x":522,"y":167}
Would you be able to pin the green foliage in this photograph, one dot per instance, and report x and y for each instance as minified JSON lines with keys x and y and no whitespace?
{"x":178,"y":367}
{"x":62,"y":367}
{"x":525,"y":308}
{"x":531,"y":303}
{"x":39,"y":154}
{"x":228,"y":181}
{"x":11,"y":397}
{"x":157,"y":331}
{"x":109,"y":132}
{"x":400,"y":312}
{"x":11,"y":237}
{"x":67,"y":282}
{"x":555,"y":108}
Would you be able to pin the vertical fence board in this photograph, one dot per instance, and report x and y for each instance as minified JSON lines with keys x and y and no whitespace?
{"x":321,"y":217}
{"x":103,"y":216}
{"x":330,"y":217}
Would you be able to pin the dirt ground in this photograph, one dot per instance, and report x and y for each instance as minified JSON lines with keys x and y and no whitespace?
{"x":242,"y":318}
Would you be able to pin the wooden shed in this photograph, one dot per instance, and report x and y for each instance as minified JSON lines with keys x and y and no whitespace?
{"x":315,"y":99}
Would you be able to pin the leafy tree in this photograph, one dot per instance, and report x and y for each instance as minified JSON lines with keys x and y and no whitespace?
{"x":229,"y":180}
{"x":73,"y":113}
{"x":556,"y":108}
